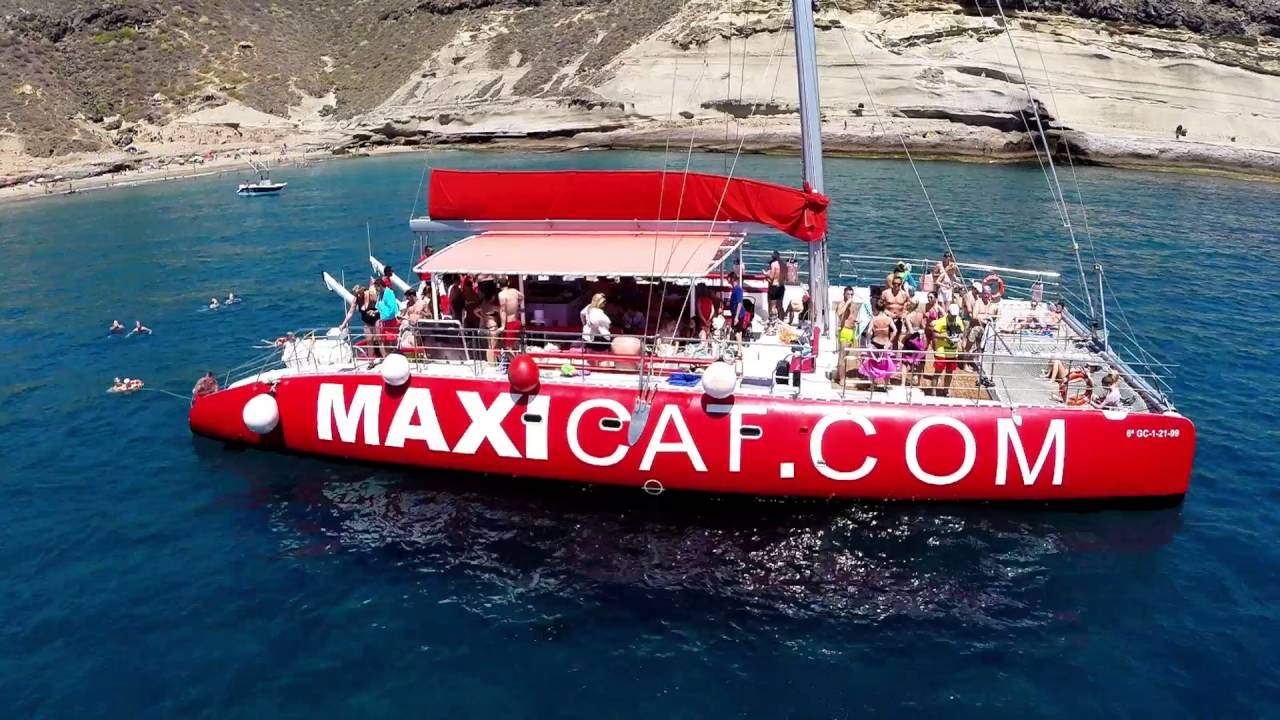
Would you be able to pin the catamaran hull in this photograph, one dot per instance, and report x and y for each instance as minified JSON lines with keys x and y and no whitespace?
{"x":750,"y":445}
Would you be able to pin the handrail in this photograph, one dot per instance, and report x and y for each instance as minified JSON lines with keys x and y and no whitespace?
{"x":1006,"y":376}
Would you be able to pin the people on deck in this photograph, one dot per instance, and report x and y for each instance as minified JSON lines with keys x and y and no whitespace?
{"x":511,"y":307}
{"x":797,"y":312}
{"x":981,"y":311}
{"x":1056,"y":372}
{"x":426,"y":255}
{"x":878,"y":361}
{"x":362,"y":304}
{"x":665,"y":344}
{"x":706,"y":311}
{"x":847,"y":320}
{"x":914,"y":341}
{"x":453,"y":304}
{"x":895,"y":298}
{"x":776,"y":289}
{"x":968,"y":297}
{"x":742,"y":329}
{"x":901,"y":271}
{"x":946,"y":276}
{"x":1113,"y":398}
{"x":633,"y":321}
{"x":948,"y":333}
{"x":736,"y":310}
{"x":595,"y":325}
{"x":116,"y":328}
{"x":488,"y":314}
{"x":388,"y":328}
{"x":470,"y":301}
{"x":933,"y":308}
{"x":1039,"y":319}
{"x":412,"y":311}
{"x":882,"y":332}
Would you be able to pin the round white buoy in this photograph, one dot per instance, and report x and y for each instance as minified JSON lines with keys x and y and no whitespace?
{"x":395,"y":369}
{"x":719,"y":380}
{"x":261,"y":414}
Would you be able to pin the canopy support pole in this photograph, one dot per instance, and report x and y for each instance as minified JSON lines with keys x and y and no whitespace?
{"x":811,"y":148}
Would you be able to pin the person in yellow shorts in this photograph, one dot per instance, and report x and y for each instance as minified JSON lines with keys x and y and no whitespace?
{"x":947,"y":333}
{"x":847,"y":317}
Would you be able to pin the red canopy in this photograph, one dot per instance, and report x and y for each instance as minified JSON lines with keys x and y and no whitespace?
{"x":623,"y":195}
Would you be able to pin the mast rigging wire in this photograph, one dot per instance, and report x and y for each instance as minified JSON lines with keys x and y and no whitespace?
{"x":875,"y":109}
{"x":1053,"y":170}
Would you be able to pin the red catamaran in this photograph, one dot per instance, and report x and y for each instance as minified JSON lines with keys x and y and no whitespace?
{"x":783,"y":409}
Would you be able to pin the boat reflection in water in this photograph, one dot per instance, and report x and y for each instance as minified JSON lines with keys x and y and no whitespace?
{"x":525,"y":549}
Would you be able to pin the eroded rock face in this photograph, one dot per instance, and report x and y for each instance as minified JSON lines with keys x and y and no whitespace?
{"x":1223,"y":17}
{"x":424,"y":71}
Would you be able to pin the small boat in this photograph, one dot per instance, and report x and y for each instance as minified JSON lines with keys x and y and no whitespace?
{"x":262,"y":187}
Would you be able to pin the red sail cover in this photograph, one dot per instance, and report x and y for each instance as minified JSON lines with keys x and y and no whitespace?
{"x":623,"y":195}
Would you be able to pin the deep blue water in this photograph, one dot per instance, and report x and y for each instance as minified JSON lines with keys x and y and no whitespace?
{"x":147,"y":574}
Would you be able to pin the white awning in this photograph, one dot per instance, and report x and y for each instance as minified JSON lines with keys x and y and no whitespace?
{"x":576,"y":254}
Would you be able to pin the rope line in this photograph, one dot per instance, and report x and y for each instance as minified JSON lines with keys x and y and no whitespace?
{"x":1059,"y":198}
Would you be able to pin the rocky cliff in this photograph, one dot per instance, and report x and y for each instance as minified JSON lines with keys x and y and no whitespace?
{"x":1183,"y":82}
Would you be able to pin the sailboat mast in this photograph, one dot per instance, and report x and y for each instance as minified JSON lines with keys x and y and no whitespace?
{"x":811,"y":147}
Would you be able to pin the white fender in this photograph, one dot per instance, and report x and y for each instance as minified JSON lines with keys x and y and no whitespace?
{"x":395,"y":370}
{"x":261,"y":414}
{"x":719,"y":380}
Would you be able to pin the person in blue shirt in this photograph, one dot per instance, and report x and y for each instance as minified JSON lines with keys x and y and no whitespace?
{"x":388,"y":325}
{"x":735,"y":297}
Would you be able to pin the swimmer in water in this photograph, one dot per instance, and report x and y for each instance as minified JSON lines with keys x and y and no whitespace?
{"x":213,"y":303}
{"x":116,"y":327}
{"x":231,"y":299}
{"x":140,"y":329}
{"x":126,"y":385}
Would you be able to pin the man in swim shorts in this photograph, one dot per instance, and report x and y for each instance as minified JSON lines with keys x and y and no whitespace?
{"x":847,"y":316}
{"x":510,"y":312}
{"x":980,"y":312}
{"x":895,"y":299}
{"x":776,"y":289}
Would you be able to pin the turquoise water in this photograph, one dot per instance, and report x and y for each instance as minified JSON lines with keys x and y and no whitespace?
{"x":148,"y":574}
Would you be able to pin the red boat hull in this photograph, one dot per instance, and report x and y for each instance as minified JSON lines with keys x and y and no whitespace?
{"x":753,"y":445}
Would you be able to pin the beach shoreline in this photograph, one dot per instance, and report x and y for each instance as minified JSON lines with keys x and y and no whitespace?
{"x":1141,"y":155}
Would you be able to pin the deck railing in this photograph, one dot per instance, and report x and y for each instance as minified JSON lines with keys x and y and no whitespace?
{"x":1003,"y":371}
